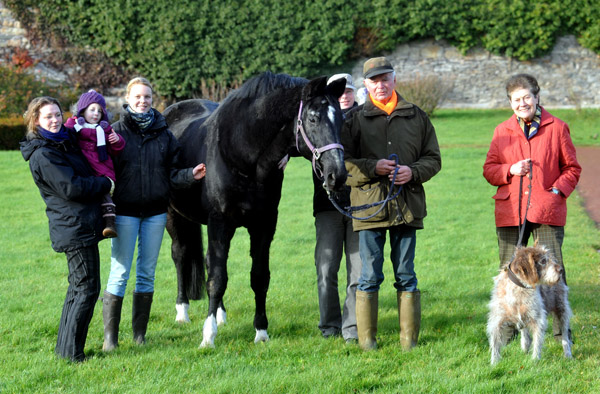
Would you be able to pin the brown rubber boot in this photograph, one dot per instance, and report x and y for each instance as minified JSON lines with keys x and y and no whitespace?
{"x":109,"y":214}
{"x":111,"y":316}
{"x":366,"y":319}
{"x":409,"y":315}
{"x":142,"y":302}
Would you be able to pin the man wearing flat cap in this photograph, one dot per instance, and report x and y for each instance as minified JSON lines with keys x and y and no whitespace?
{"x":377,"y":132}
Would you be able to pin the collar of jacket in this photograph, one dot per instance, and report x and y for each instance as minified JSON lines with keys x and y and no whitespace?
{"x":546,"y":119}
{"x":403,"y":108}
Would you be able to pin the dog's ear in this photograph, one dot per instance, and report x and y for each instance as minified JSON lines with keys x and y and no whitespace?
{"x":523,"y":266}
{"x":532,"y":260}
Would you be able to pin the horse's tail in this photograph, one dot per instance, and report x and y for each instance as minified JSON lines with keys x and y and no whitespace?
{"x":188,"y":255}
{"x":195,"y":287}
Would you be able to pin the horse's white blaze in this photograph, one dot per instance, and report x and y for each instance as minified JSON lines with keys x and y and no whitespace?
{"x":209,"y":332}
{"x":221,"y":317}
{"x":331,"y":114}
{"x":182,"y":313}
{"x":261,"y":336}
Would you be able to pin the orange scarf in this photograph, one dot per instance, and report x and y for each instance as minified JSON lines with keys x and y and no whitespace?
{"x":388,"y":107}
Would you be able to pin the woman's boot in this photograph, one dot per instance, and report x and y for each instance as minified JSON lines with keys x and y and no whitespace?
{"x":111,"y":315}
{"x":366,"y":319}
{"x":142,"y":302}
{"x":409,"y":314}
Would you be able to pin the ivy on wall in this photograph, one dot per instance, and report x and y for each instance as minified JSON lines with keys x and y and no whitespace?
{"x":184,"y":45}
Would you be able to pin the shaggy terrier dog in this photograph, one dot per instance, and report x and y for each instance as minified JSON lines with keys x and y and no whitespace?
{"x":527,"y":288}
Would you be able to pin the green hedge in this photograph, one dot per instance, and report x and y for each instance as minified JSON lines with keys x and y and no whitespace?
{"x":182,"y":45}
{"x":12,"y":130}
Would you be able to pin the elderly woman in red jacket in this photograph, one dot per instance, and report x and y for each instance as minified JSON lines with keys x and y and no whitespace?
{"x":532,"y":147}
{"x":536,"y":146}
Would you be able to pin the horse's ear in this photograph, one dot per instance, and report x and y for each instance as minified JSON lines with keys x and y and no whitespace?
{"x":316,"y":87}
{"x":337,"y":88}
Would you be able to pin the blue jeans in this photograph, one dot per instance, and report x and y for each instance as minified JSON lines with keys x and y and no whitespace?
{"x":149,"y":233}
{"x":403,"y":240}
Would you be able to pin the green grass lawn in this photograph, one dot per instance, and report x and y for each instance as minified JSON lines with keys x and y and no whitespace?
{"x":455,"y":262}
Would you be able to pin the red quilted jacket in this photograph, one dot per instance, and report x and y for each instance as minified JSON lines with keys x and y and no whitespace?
{"x":554,"y":165}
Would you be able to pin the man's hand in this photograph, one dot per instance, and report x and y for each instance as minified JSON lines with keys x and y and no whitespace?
{"x":403,"y":176}
{"x":385,"y":167}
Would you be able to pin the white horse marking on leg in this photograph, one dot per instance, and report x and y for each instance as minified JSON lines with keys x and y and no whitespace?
{"x":182,"y":313}
{"x":221,"y":317}
{"x":261,"y":336}
{"x":209,"y":332}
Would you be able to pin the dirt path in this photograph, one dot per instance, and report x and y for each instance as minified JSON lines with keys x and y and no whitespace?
{"x":589,"y":183}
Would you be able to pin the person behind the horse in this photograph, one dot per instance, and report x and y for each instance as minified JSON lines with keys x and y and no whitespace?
{"x":387,"y":125}
{"x":98,"y":142}
{"x":334,"y":235}
{"x":146,"y":170}
{"x":531,"y":147}
{"x":72,"y":194}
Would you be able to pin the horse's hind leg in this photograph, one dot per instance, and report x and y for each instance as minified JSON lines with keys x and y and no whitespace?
{"x":260,"y":276}
{"x":219,"y":240}
{"x":188,"y":256}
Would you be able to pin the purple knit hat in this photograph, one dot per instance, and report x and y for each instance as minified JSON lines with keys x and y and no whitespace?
{"x":91,"y":97}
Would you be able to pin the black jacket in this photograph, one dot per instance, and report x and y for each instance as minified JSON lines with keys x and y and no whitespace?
{"x":147,"y":168}
{"x":70,"y":190}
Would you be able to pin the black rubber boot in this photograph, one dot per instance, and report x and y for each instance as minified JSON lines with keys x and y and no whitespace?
{"x":111,"y":315}
{"x":142,"y":302}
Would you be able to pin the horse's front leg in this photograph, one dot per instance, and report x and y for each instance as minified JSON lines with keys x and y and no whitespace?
{"x":219,"y":240}
{"x":260,"y":276}
{"x":188,"y":256}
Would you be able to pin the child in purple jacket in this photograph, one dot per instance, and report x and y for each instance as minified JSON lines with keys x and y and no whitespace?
{"x":98,"y":142}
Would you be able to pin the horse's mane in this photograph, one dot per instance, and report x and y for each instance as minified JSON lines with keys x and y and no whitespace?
{"x":263,"y":84}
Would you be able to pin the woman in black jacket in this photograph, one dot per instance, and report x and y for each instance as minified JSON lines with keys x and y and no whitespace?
{"x":146,"y":170}
{"x":73,"y":197}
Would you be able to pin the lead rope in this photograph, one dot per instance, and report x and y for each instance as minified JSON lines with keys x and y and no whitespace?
{"x":522,"y":224}
{"x":348,"y":210}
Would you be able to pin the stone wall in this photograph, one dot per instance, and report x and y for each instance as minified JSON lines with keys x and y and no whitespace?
{"x":11,"y":32}
{"x":12,"y":35}
{"x":569,"y":76}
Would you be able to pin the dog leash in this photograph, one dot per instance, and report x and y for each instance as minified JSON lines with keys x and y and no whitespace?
{"x":523,"y":223}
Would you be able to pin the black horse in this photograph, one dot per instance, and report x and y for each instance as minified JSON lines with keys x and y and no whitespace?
{"x":243,"y":141}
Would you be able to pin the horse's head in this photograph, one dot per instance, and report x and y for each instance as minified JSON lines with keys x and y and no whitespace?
{"x":318,"y":130}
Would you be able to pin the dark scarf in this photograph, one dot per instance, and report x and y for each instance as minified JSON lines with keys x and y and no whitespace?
{"x":61,"y":136}
{"x":144,"y":120}
{"x":531,"y":129}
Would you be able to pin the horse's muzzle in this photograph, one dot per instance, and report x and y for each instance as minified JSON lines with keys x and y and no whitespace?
{"x":334,"y":182}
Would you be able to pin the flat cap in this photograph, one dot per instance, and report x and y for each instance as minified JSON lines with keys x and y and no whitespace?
{"x":376,"y":66}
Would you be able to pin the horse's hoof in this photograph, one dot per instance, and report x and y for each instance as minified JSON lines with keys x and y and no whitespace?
{"x":182,"y":313}
{"x":221,"y":317}
{"x":209,"y":332}
{"x":261,"y":336}
{"x":206,"y":345}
